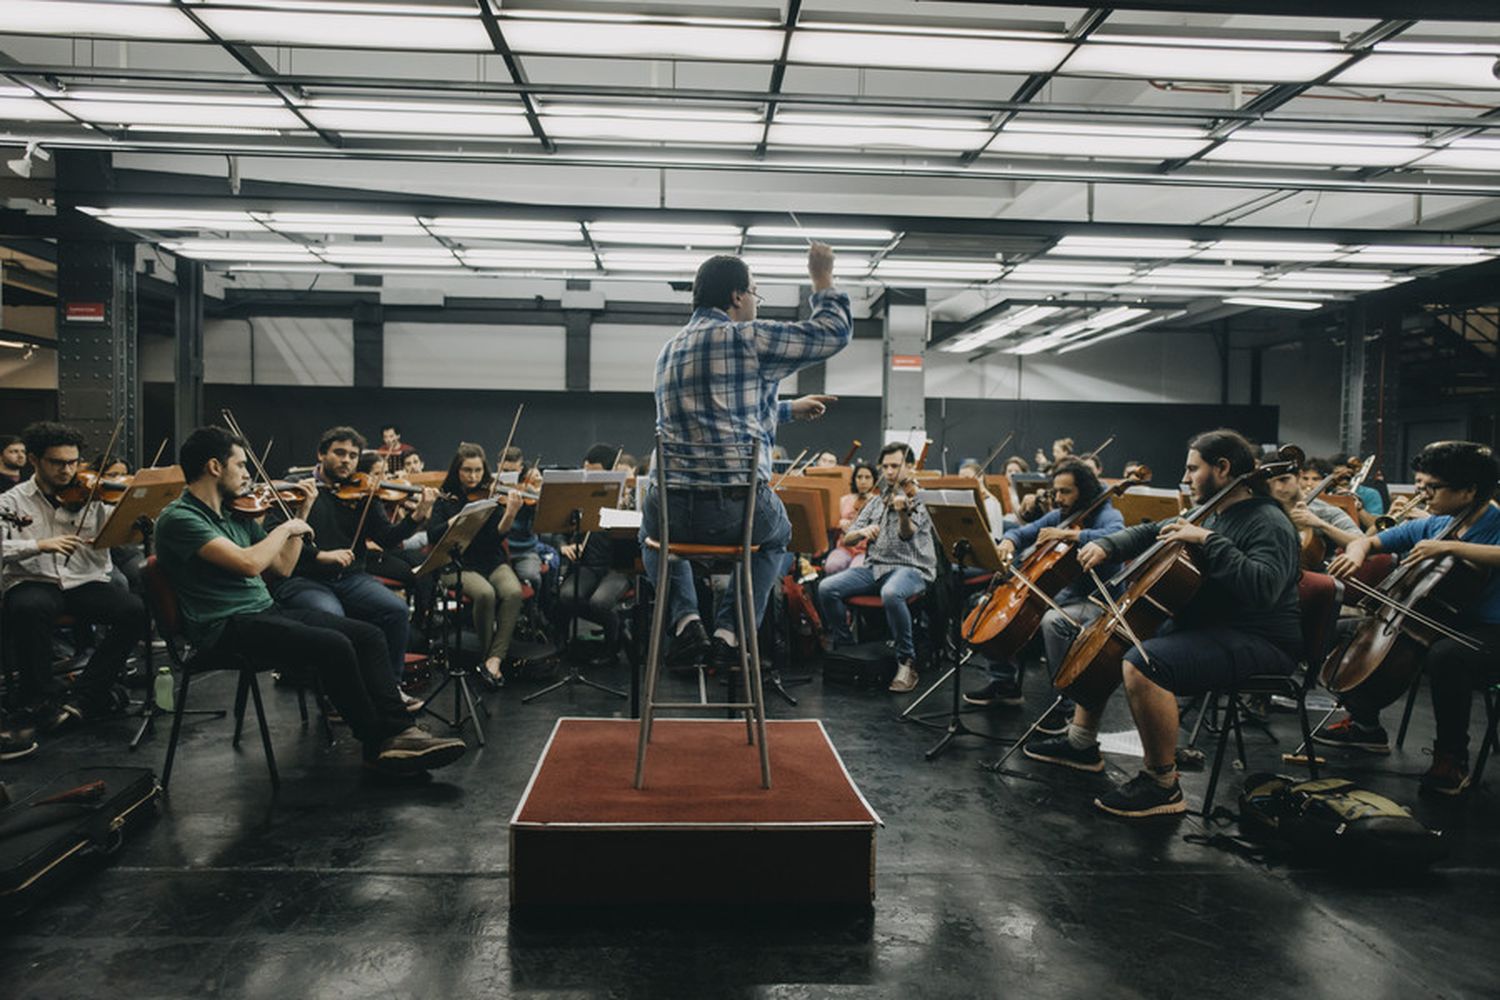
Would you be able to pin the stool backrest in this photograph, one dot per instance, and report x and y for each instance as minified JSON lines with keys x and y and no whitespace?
{"x":687,"y":465}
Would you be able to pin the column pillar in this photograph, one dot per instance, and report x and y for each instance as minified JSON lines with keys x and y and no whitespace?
{"x":903,"y":396}
{"x":187,"y":386}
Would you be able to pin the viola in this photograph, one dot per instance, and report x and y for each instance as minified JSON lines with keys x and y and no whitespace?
{"x":87,"y":483}
{"x":1411,"y":609}
{"x":1012,"y":611}
{"x":1157,"y":584}
{"x":262,"y":498}
{"x":358,"y":488}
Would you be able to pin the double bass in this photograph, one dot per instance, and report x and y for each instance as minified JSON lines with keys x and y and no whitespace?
{"x":1158,"y":584}
{"x":1410,"y":609}
{"x":1012,"y":611}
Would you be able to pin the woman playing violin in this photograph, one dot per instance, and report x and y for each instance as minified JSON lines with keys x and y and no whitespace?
{"x":487,"y":575}
{"x":1458,"y":479}
{"x":861,"y":489}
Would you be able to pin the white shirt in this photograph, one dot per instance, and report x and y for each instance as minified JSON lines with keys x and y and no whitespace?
{"x":24,"y":559}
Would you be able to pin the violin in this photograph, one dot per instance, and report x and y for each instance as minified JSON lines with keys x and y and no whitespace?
{"x":87,"y":483}
{"x":359,"y":486}
{"x":1158,"y":584}
{"x":492,"y":492}
{"x":1411,"y":607}
{"x":262,"y":498}
{"x":1011,"y":612}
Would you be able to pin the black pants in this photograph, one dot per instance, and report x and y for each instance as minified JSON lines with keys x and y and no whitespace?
{"x":1454,"y":672}
{"x":349,"y":658}
{"x":31,"y":612}
{"x":599,"y":593}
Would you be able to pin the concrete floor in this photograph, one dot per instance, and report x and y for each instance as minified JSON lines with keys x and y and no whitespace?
{"x":987,"y":886}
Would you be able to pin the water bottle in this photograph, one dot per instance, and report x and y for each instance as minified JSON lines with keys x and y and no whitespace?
{"x":166,"y":686}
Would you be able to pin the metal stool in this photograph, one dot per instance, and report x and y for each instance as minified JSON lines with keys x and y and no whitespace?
{"x":683,"y":466}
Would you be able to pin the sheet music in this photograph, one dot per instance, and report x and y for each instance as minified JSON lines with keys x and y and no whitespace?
{"x":613,"y":517}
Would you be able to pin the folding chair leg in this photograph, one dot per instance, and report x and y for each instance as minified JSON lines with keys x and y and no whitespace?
{"x":1487,"y":745}
{"x":1213,"y":775}
{"x":265,"y":731}
{"x":166,"y":768}
{"x":1411,"y":703}
{"x":239,"y":705}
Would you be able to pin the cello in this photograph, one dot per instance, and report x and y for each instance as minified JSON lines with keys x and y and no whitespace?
{"x":1410,"y":610}
{"x":1158,"y":584}
{"x":1012,"y":611}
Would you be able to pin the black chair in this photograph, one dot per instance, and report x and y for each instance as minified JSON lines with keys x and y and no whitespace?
{"x":1491,"y":737}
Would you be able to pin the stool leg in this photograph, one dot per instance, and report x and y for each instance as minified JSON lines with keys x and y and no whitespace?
{"x":653,"y":662}
{"x":752,"y":677}
{"x":166,"y":768}
{"x":240,"y":692}
{"x":265,"y":731}
{"x":1213,"y":776}
{"x":743,"y":648}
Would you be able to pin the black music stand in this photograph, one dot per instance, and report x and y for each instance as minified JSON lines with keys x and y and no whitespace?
{"x":446,"y":554}
{"x":571,"y":504}
{"x":961,"y":531}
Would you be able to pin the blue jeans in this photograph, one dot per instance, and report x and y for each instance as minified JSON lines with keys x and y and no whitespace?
{"x":894,"y":589}
{"x":707,"y":517}
{"x":357,"y":596}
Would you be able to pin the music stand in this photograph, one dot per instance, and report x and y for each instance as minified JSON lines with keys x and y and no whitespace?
{"x":572,"y":502}
{"x":462,"y":530}
{"x":962,"y":532}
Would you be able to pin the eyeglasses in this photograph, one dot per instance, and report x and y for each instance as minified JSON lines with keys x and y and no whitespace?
{"x":61,"y":463}
{"x":759,"y":299}
{"x":1432,"y":486}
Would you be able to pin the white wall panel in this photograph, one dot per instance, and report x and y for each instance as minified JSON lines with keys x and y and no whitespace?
{"x":622,"y":356}
{"x":855,"y":371}
{"x":469,"y":356}
{"x":279,"y":350}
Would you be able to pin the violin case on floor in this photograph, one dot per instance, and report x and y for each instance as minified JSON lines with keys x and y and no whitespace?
{"x":43,"y":844}
{"x":864,"y":664}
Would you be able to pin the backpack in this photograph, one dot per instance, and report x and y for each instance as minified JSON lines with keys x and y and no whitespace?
{"x":1334,"y":821}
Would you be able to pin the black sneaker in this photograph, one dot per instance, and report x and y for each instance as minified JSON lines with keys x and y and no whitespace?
{"x":686,"y":646}
{"x":1141,"y":796}
{"x":996,"y":692}
{"x":1448,"y":775}
{"x":1057,"y":750}
{"x":1055,"y":722}
{"x":415,"y":749}
{"x":1348,"y":733}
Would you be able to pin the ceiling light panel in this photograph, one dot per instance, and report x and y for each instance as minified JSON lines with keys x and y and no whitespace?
{"x":471,"y":121}
{"x":1108,"y":246}
{"x":1418,"y":256}
{"x":611,"y":128}
{"x":1316,"y":279}
{"x":168,"y":220}
{"x":1094,"y":140}
{"x":1466,"y":154}
{"x":164,"y":109}
{"x":355,"y":253}
{"x":956,"y":270}
{"x":641,"y":41}
{"x":339,"y":224}
{"x":664,"y":234}
{"x":28,"y":109}
{"x":1206,"y":275}
{"x":667,"y":261}
{"x":864,"y":137}
{"x":1201,"y":62}
{"x":1294,"y":304}
{"x":1067,"y":271}
{"x":892,"y":50}
{"x":1006,"y":325}
{"x":542,"y":231}
{"x":460,"y":31}
{"x":1315,"y":149}
{"x":242,"y":250}
{"x":823,"y":233}
{"x":530,"y":259}
{"x":1445,"y":71}
{"x":154,"y":19}
{"x":1271,"y":251}
{"x":785,"y":264}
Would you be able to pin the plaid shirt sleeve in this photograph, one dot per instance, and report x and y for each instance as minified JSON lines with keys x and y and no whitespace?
{"x":786,"y":348}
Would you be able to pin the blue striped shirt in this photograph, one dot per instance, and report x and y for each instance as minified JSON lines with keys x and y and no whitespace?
{"x":717,"y":380}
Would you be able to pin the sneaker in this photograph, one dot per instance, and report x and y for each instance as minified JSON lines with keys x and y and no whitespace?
{"x":1448,"y":775}
{"x":1057,"y":750}
{"x":1055,"y":722}
{"x":996,"y":692}
{"x":906,"y":677}
{"x":1348,"y":733}
{"x":1142,"y":796}
{"x":16,"y":743}
{"x":415,"y":749}
{"x":686,"y":646}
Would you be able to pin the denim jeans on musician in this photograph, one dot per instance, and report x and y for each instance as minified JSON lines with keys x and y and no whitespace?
{"x":894,"y":589}
{"x":354,"y":595}
{"x":712,"y":518}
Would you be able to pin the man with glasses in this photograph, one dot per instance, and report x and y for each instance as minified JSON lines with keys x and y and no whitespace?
{"x":1458,"y":479}
{"x":51,"y":569}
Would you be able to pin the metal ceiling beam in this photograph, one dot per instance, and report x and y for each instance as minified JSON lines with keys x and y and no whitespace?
{"x":778,"y":71}
{"x":517,"y":73}
{"x":698,"y":94}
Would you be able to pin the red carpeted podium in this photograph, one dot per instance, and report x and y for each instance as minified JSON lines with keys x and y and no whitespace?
{"x":702,"y":830}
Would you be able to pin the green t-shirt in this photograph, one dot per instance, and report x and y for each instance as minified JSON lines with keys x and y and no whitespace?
{"x":207,"y":595}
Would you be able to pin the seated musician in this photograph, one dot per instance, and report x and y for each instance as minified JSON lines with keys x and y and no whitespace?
{"x":331,"y":573}
{"x":51,"y":569}
{"x":846,"y":554}
{"x":1074,"y":487}
{"x":129,"y":559}
{"x":214,"y":563}
{"x":1453,"y":476}
{"x":392,"y":448}
{"x":1371,"y":503}
{"x":512,"y":459}
{"x":488,"y":579}
{"x":994,"y":514}
{"x":12,"y":461}
{"x":900,"y":562}
{"x":1243,"y":621}
{"x":526,"y":548}
{"x":1336,"y":527}
{"x":598,"y":574}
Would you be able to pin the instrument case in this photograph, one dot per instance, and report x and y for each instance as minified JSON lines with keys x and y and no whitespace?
{"x":42,"y":846}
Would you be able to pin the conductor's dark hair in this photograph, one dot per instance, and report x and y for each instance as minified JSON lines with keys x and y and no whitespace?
{"x":717,"y":280}
{"x":203,"y":444}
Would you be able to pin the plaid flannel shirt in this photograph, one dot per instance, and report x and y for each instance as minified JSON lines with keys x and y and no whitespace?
{"x":717,"y":380}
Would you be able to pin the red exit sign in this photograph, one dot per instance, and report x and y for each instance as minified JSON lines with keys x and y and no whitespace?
{"x":84,"y":312}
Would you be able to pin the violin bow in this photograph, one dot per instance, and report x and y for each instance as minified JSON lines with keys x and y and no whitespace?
{"x":260,"y":470}
{"x":157,"y":457}
{"x":1117,"y":617}
{"x":789,"y":469}
{"x":996,"y":453}
{"x":83,"y":513}
{"x":1095,"y":454}
{"x":515,"y":421}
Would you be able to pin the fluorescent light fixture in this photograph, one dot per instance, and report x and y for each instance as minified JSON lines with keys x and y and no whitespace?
{"x":1079,"y":345}
{"x":461,"y":31}
{"x":1270,"y":250}
{"x":29,"y":109}
{"x":469,"y":121}
{"x":205,"y":130}
{"x":244,"y":250}
{"x":1211,"y":275}
{"x":824,"y":233}
{"x":1099,"y":321}
{"x":1274,"y":303}
{"x":1200,"y":62}
{"x":1111,"y":246}
{"x":164,"y":219}
{"x":641,"y":41}
{"x":957,"y":270}
{"x":891,"y":50}
{"x":357,"y":253}
{"x":661,"y":112}
{"x":1416,"y":256}
{"x":785,"y":264}
{"x":531,"y":259}
{"x":866,"y":137}
{"x":678,"y":262}
{"x":146,"y":19}
{"x":882,"y":121}
{"x":1316,"y":279}
{"x":1382,"y":139}
{"x":1069,"y":271}
{"x":1007,"y":324}
{"x":1310,"y":150}
{"x":665,"y":234}
{"x":1148,"y":144}
{"x":164,"y":109}
{"x":1385,"y":69}
{"x":1466,"y":154}
{"x":175,"y":97}
{"x":350,"y":225}
{"x":538,"y":230}
{"x":634,"y":129}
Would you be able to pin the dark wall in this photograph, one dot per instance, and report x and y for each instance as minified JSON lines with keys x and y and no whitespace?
{"x":561,"y":426}
{"x":19,"y":407}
